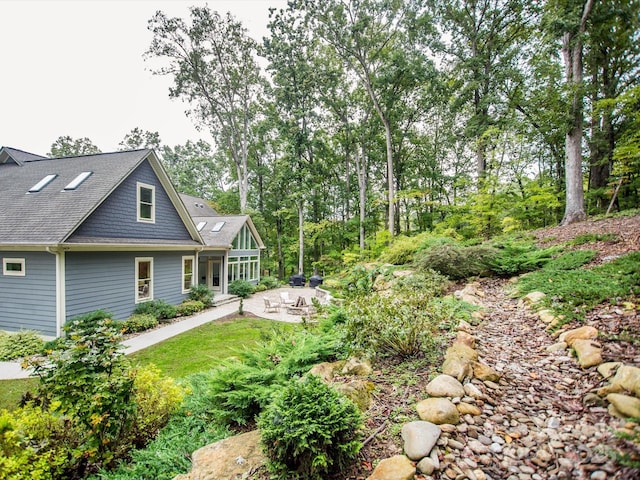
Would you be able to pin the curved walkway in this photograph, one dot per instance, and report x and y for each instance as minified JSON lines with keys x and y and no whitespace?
{"x":253,"y":304}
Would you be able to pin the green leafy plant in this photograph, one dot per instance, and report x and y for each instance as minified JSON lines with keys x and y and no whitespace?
{"x":571,"y":260}
{"x":243,"y":289}
{"x":456,"y":262}
{"x":514,"y":258}
{"x":20,"y":344}
{"x":309,"y":431}
{"x":160,"y":309}
{"x":594,"y":237}
{"x":201,"y":293}
{"x":189,"y":307}
{"x":139,"y":322}
{"x":269,"y":282}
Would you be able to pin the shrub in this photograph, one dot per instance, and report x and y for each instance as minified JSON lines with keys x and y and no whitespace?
{"x":156,"y":399}
{"x":571,"y":260}
{"x":594,"y":237}
{"x":309,"y":431}
{"x":139,"y":322}
{"x":456,"y":262}
{"x":429,"y":283}
{"x":89,"y":380}
{"x":241,"y":288}
{"x":189,"y":307}
{"x":38,"y":443}
{"x":20,"y":344}
{"x":269,"y":282}
{"x":401,"y":251}
{"x":160,"y":309}
{"x":400,"y":326}
{"x":518,"y":257}
{"x":201,"y":293}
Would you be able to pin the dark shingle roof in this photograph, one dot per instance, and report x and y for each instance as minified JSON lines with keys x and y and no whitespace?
{"x":18,"y":156}
{"x":223,"y":238}
{"x":49,"y":216}
{"x":196,"y":206}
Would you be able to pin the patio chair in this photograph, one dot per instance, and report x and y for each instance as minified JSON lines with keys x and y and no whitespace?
{"x":285,"y":299}
{"x":270,"y":306}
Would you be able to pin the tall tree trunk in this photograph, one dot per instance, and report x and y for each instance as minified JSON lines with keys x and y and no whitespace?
{"x":361,"y":172}
{"x":572,"y":55}
{"x":301,"y":237}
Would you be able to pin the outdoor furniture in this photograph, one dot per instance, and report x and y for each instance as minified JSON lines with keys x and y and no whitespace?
{"x":285,"y":299}
{"x":298,"y":280}
{"x":270,"y":305}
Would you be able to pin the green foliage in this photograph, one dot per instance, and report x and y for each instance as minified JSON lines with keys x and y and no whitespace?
{"x":573,"y":292}
{"x":571,"y":260}
{"x":241,"y":388}
{"x":428,"y":283}
{"x":201,"y":293}
{"x":20,"y":344}
{"x":629,"y":452}
{"x":159,"y":309}
{"x":514,"y":258}
{"x":139,"y":322}
{"x":38,"y":443}
{"x":241,"y":288}
{"x":399,"y":326}
{"x":88,"y":379}
{"x":401,"y":251}
{"x":309,"y":431}
{"x":169,"y":454}
{"x":359,"y":280}
{"x":269,"y":282}
{"x":456,"y":262}
{"x":189,"y":307}
{"x":594,"y":237}
{"x":156,"y":399}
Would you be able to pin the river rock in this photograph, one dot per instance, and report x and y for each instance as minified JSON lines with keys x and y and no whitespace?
{"x":419,"y":439}
{"x":426,"y":466}
{"x":485,"y":372}
{"x":464,"y":326}
{"x":355,"y":366}
{"x":626,"y":405}
{"x":627,"y":378}
{"x":445,"y":386}
{"x":533,"y":298}
{"x":608,"y":369}
{"x":471,"y":390}
{"x":583,"y":333}
{"x":588,"y":352}
{"x":546,"y":316}
{"x":231,"y":458}
{"x":557,"y":347}
{"x":465,"y":408}
{"x":358,"y":391}
{"x":327,"y":370}
{"x":465,"y":339}
{"x":438,"y":411}
{"x":398,"y":467}
{"x":458,"y":361}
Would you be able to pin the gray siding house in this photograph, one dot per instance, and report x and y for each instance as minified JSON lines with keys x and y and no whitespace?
{"x":103,"y":231}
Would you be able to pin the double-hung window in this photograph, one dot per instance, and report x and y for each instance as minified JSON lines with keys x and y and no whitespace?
{"x":144,"y":279}
{"x":146,"y":203}
{"x":187,"y":273}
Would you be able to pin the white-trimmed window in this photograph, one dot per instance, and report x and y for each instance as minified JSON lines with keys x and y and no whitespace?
{"x":244,"y":240}
{"x":13,"y":266}
{"x":244,"y":268}
{"x":146,"y":203}
{"x":187,"y":273}
{"x":144,"y":279}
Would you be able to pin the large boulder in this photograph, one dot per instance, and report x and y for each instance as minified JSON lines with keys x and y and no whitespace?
{"x":358,"y":391}
{"x":533,"y":298}
{"x":398,"y":467}
{"x":327,"y":370}
{"x":228,"y":459}
{"x":438,"y":410}
{"x":627,"y":378}
{"x":445,"y":386}
{"x":355,"y":366}
{"x":588,"y":352}
{"x":485,"y":372}
{"x":458,"y":361}
{"x":624,"y":404}
{"x":465,"y":339}
{"x":419,"y":438}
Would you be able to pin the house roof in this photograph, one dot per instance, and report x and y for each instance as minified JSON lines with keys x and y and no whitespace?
{"x":196,"y":206}
{"x":8,"y":154}
{"x":49,"y":216}
{"x":226,"y":227}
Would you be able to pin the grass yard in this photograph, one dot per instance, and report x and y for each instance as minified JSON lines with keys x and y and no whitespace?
{"x":205,"y":347}
{"x":194,"y":351}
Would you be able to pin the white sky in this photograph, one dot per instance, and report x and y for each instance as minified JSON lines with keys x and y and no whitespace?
{"x":75,"y":68}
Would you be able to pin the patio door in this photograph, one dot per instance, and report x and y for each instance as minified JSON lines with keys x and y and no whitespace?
{"x":215,"y":271}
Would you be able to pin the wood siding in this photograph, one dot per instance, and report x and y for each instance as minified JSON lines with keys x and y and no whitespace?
{"x":117,"y":216}
{"x":29,"y":302}
{"x":106,"y":280}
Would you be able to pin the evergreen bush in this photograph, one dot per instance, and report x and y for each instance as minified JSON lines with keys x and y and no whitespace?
{"x":189,"y":307}
{"x":456,"y":262}
{"x":139,"y":322}
{"x":269,"y":282}
{"x":160,"y":309}
{"x":309,"y":431}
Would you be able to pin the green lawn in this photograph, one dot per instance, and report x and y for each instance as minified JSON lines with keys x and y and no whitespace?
{"x":194,"y":351}
{"x":205,"y":347}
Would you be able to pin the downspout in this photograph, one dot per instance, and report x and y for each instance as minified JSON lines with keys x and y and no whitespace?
{"x":61,"y":305}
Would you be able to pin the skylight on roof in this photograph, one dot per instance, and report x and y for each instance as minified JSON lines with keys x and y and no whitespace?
{"x":218,"y":226}
{"x":42,"y":183}
{"x":75,"y":183}
{"x":201,"y":226}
